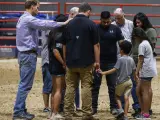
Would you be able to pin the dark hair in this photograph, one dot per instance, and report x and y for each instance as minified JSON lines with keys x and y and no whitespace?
{"x":84,"y":7}
{"x":29,"y":3}
{"x":126,"y":46}
{"x":139,"y":32}
{"x":144,"y":19}
{"x":53,"y":33}
{"x":61,"y":18}
{"x":105,"y":14}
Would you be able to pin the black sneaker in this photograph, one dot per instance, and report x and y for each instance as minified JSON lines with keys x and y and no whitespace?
{"x":24,"y":115}
{"x":46,"y":110}
{"x":137,"y":112}
{"x":150,"y":112}
{"x":90,"y":117}
{"x":114,"y":111}
{"x":94,"y":111}
{"x":120,"y":113}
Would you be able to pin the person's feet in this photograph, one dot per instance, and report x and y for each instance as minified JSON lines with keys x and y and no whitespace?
{"x":46,"y":110}
{"x":113,"y":111}
{"x":56,"y":117}
{"x":120,"y":113}
{"x":136,"y":113}
{"x":77,"y":114}
{"x":90,"y":117}
{"x":94,"y":111}
{"x":23,"y":115}
{"x":125,"y":118}
{"x":150,"y":112}
{"x":143,"y":117}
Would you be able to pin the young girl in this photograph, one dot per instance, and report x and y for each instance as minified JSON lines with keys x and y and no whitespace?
{"x":145,"y":71}
{"x":57,"y":67}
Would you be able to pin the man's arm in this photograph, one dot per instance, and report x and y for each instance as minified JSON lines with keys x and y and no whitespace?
{"x":97,"y":55}
{"x":119,"y":35}
{"x":44,"y":24}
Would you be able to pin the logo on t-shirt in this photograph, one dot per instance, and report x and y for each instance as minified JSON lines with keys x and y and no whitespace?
{"x":58,"y":45}
{"x":111,"y":31}
{"x":77,"y":37}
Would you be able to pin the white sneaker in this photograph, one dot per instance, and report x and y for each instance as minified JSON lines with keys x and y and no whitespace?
{"x":56,"y":117}
{"x":49,"y":115}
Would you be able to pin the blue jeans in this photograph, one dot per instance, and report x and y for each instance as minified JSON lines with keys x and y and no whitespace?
{"x":47,"y":79}
{"x":27,"y":65}
{"x":135,"y":104}
{"x":111,"y":83}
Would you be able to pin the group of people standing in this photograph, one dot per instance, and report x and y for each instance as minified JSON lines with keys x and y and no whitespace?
{"x":75,"y":49}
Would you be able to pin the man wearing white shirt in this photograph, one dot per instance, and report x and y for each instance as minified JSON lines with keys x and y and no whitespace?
{"x":126,"y":27}
{"x":124,"y":24}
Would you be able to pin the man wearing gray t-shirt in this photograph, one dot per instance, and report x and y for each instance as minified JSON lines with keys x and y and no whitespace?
{"x":124,"y":67}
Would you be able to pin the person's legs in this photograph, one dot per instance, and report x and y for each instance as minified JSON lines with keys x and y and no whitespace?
{"x":47,"y":86}
{"x":150,"y":97}
{"x":58,"y":81}
{"x":135,"y":104}
{"x":111,"y":83}
{"x":145,"y":95}
{"x":71,"y":85}
{"x":118,"y":99}
{"x":86,"y":85}
{"x":77,"y":98}
{"x":61,"y":106}
{"x":95,"y":91}
{"x":125,"y":90}
{"x":139,"y":95}
{"x":27,"y":65}
{"x":46,"y":102}
{"x":126,"y":107}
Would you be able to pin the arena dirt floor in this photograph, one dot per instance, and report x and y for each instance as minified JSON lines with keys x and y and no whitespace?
{"x":9,"y":77}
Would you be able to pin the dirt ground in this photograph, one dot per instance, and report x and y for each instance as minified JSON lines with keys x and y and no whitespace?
{"x":9,"y":77}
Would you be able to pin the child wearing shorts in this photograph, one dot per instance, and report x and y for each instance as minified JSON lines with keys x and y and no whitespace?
{"x":146,"y":70}
{"x":125,"y":67}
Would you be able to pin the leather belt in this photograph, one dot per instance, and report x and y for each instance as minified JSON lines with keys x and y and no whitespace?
{"x":30,"y":51}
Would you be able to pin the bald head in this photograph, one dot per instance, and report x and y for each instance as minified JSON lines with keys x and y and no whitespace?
{"x":118,"y":11}
{"x":73,"y":12}
{"x":119,"y":16}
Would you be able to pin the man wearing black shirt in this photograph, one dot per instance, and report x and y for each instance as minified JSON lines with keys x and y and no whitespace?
{"x":81,"y":51}
{"x":109,"y":36}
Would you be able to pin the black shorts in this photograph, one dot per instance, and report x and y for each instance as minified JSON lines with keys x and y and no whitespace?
{"x":57,"y":70}
{"x":147,"y":78}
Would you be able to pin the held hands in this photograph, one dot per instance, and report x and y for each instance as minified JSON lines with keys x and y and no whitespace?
{"x":96,"y":66}
{"x":98,"y":70}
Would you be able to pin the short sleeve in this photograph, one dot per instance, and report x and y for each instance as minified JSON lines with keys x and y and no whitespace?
{"x":119,"y":34}
{"x":134,"y":65}
{"x":95,"y":34}
{"x":118,"y":63}
{"x":141,"y":50}
{"x":152,"y":35}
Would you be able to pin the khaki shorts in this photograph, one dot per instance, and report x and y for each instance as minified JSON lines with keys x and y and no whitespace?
{"x":124,"y":88}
